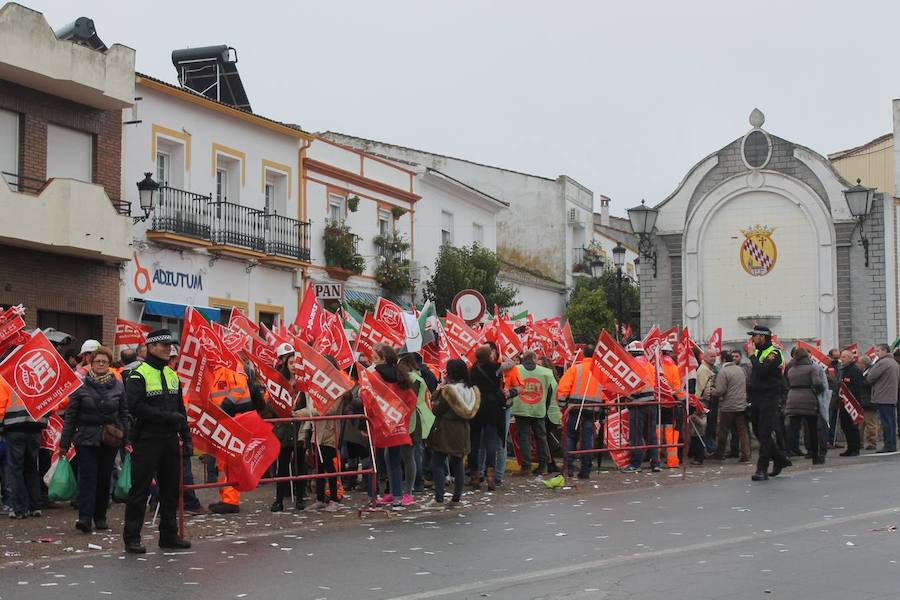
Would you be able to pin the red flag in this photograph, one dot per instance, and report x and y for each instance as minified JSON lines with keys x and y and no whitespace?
{"x":322,"y":382}
{"x":277,"y":386}
{"x":372,"y":332}
{"x":9,"y":330}
{"x":715,"y":341}
{"x":565,"y":349}
{"x":307,"y":324}
{"x":687,"y":362}
{"x":617,"y":369}
{"x":615,"y":435}
{"x":242,"y":322}
{"x":39,"y":375}
{"x":201,"y":350}
{"x":129,"y":333}
{"x":872,"y":353}
{"x":697,"y":404}
{"x":652,"y":342}
{"x":851,"y":404}
{"x":463,"y":338}
{"x":509,"y":346}
{"x":388,"y":412}
{"x":245,"y":451}
{"x":333,"y":341}
{"x":272,"y":338}
{"x":390,"y":315}
{"x":235,"y":340}
{"x":538,"y":338}
{"x":50,"y":437}
{"x":263,"y":351}
{"x":815,"y":354}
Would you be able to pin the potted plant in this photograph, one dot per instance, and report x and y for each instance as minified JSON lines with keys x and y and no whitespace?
{"x":341,"y":256}
{"x":392,"y":274}
{"x":353,"y":203}
{"x":398,"y":212}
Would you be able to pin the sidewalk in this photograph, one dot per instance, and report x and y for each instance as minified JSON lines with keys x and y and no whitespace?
{"x":53,"y":536}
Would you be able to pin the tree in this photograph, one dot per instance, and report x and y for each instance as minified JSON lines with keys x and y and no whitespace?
{"x":588,"y":311}
{"x":470,"y":267}
{"x":631,"y":299}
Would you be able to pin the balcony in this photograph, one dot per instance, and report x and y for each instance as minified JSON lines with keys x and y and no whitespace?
{"x":32,"y":56}
{"x":187,"y":218}
{"x":64,"y":216}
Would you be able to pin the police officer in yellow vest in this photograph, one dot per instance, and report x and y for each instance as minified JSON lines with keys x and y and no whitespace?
{"x":765,"y":386}
{"x":153,"y":392}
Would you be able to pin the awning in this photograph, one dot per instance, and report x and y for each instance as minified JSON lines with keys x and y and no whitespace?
{"x":176,"y":311}
{"x":369,"y":298}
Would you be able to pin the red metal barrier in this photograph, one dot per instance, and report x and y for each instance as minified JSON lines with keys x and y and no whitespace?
{"x":617,"y":407}
{"x":372,"y":472}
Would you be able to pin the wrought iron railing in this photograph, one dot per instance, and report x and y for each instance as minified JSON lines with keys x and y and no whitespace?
{"x":237,"y":225}
{"x":180,"y":211}
{"x":23,"y":183}
{"x":287,"y":237}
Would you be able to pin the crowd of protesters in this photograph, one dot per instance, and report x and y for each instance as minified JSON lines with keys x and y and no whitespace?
{"x":459,"y":429}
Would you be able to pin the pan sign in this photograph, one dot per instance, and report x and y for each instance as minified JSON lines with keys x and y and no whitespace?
{"x":328,"y":291}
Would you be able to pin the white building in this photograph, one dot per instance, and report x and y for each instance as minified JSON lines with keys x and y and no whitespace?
{"x":610,"y":231}
{"x":228,"y":228}
{"x":536,"y":235}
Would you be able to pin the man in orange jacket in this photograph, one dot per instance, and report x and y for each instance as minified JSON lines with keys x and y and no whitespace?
{"x":231,"y":393}
{"x":643,"y":419}
{"x":580,"y":386}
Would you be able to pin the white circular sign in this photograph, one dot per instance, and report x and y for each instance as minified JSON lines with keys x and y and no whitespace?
{"x":470,"y":305}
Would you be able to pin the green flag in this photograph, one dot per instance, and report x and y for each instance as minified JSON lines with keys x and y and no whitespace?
{"x":519,"y":320}
{"x":352,"y":319}
{"x":895,"y":344}
{"x":426,"y":322}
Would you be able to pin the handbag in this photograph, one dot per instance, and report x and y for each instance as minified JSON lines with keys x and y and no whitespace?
{"x":111,"y":435}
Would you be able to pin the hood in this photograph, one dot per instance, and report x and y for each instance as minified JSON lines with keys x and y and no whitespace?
{"x":463,"y":400}
{"x":528,"y":365}
{"x":388,"y":373}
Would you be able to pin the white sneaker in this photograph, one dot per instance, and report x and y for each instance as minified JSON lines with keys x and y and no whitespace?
{"x":317,"y":505}
{"x":332,"y":507}
{"x":433,"y":505}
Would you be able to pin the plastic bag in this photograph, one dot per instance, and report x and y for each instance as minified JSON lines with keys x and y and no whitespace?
{"x":123,"y":483}
{"x":62,"y":487}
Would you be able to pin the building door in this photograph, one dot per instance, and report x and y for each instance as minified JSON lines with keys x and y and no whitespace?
{"x":80,"y":327}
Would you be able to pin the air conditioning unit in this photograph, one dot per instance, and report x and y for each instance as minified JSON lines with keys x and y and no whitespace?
{"x":573,"y":216}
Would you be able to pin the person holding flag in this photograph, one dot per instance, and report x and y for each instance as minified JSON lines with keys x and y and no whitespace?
{"x":579,"y":386}
{"x":153,"y":394}
{"x":643,"y":419}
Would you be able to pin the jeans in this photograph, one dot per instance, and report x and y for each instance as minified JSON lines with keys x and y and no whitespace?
{"x":641,"y":420}
{"x":888,"y":414}
{"x":525,"y":426}
{"x":501,"y":452}
{"x":583,"y":435}
{"x":95,"y":465}
{"x":482,"y":437}
{"x":456,"y":469}
{"x":395,"y":460}
{"x":419,"y":457}
{"x":190,"y":496}
{"x":23,"y":477}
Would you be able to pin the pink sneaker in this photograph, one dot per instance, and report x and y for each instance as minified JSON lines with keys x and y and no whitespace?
{"x":386,"y":499}
{"x":407,"y":500}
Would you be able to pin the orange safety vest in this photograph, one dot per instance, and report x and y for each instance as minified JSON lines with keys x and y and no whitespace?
{"x":229,"y":385}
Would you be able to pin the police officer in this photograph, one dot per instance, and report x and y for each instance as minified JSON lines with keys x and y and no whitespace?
{"x":765,"y":387}
{"x":153,"y":392}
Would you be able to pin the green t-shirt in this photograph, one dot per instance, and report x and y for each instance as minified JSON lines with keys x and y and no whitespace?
{"x":532,"y":398}
{"x":422,"y":411}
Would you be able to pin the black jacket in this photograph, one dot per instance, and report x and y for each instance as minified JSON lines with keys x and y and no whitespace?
{"x":486,"y":377}
{"x":156,"y":416}
{"x":92,"y":406}
{"x":766,"y":381}
{"x":853,"y":378}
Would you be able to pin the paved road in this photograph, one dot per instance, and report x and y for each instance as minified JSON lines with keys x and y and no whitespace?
{"x":807,"y":535}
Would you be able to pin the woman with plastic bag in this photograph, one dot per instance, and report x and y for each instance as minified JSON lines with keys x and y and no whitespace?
{"x":97,"y":423}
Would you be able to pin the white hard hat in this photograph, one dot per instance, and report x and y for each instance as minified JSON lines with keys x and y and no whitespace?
{"x":173,"y":351}
{"x":666,"y":347}
{"x":284,"y":349}
{"x":89,"y":346}
{"x":635,"y":347}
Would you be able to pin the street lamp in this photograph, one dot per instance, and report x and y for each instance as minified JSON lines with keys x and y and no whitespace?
{"x":643,"y":220}
{"x":597,"y":265}
{"x":147,"y":189}
{"x":619,"y":260}
{"x":859,"y":200}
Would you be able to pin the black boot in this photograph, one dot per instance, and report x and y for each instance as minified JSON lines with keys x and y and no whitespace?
{"x":135,"y":548}
{"x":760,"y":476}
{"x":277,"y":506}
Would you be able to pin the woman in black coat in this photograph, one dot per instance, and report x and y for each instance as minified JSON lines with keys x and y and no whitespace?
{"x":487,"y":428}
{"x":97,"y":405}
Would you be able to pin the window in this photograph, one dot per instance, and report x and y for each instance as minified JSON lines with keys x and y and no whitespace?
{"x":69,"y":153}
{"x":446,"y":228}
{"x":336,"y":208}
{"x":276,"y":192}
{"x":385,"y":222}
{"x":478,"y":234}
{"x":163,"y":171}
{"x":9,"y":145}
{"x":80,"y":327}
{"x":221,"y":185}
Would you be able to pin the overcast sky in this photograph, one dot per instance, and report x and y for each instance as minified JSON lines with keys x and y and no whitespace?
{"x":622,"y":96}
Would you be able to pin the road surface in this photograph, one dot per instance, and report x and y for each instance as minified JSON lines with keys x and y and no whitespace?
{"x":817,"y":534}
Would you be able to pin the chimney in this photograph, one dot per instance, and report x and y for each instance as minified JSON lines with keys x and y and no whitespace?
{"x":604,"y":211}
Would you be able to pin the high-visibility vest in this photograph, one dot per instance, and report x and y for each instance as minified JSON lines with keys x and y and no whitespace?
{"x":230,"y":385}
{"x":153,"y":385}
{"x":647,"y":393}
{"x":587,"y":389}
{"x":15,"y":412}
